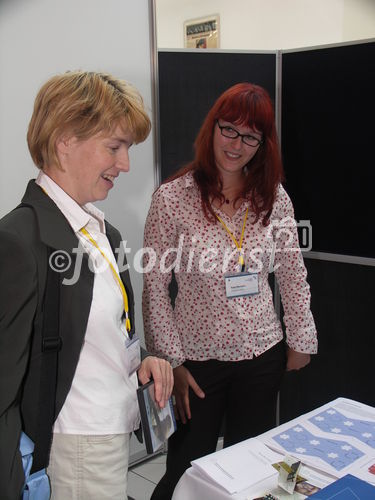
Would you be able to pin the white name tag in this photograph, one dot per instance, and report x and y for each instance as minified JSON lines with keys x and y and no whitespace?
{"x":133,"y":349}
{"x":241,"y":284}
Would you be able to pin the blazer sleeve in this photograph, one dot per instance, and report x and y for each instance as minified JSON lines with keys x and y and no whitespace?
{"x":18,"y":302}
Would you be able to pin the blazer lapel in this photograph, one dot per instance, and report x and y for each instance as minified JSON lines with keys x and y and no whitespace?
{"x":114,"y":239}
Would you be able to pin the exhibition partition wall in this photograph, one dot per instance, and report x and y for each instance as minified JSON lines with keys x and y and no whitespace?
{"x":189,"y":84}
{"x":325,"y":108}
{"x":327,"y":142}
{"x":328,"y":108}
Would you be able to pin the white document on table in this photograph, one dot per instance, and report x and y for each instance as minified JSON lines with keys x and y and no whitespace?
{"x":240,"y":466}
{"x":366,"y":471}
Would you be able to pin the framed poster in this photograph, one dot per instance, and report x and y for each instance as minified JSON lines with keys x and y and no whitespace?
{"x":202,"y":33}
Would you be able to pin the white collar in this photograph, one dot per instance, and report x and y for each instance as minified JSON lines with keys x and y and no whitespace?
{"x":77,"y":216}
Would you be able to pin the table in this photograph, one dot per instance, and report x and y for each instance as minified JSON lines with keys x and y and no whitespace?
{"x":341,"y":420}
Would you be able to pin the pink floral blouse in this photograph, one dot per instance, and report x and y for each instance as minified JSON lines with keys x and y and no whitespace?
{"x":205,"y":324}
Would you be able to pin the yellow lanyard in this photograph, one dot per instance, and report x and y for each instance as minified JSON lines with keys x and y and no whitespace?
{"x":238,"y":245}
{"x":115,"y":275}
{"x":114,"y":272}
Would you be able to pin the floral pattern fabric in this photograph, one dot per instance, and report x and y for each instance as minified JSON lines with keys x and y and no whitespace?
{"x":205,"y":324}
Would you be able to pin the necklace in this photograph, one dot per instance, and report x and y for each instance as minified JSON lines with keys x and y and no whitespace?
{"x":229,"y":199}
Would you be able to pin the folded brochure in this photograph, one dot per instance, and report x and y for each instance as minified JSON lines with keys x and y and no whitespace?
{"x":238,"y":467}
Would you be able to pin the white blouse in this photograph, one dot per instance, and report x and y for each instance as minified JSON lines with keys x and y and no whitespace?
{"x":102,"y":398}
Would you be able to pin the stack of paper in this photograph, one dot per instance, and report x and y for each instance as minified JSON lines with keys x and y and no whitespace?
{"x":240,"y":466}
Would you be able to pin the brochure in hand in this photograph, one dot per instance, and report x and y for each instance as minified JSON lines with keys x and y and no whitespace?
{"x":158,"y":424}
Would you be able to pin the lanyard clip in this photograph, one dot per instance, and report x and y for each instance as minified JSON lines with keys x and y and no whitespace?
{"x":241,"y":262}
{"x":127,"y":322}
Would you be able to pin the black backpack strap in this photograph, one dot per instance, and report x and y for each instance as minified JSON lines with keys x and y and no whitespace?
{"x":51,"y":345}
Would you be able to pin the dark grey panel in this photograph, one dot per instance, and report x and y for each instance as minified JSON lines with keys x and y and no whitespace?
{"x":189,"y":84}
{"x":328,"y":110}
{"x":343,"y":298}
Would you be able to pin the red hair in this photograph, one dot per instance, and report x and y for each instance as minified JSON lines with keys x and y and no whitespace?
{"x":248,"y":105}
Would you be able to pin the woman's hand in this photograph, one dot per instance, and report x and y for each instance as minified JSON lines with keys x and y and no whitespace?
{"x":162,"y":373}
{"x":296,"y":360}
{"x":183,"y":379}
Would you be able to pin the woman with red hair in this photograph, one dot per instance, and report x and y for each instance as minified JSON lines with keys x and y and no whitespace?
{"x":220,"y":224}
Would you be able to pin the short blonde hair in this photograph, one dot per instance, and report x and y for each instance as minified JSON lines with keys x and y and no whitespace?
{"x":83,"y":104}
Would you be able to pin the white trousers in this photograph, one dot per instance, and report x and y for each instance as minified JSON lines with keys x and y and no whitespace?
{"x":89,"y":467}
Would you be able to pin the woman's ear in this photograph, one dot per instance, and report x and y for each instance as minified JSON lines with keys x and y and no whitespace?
{"x":63,"y":144}
{"x":64,"y":147}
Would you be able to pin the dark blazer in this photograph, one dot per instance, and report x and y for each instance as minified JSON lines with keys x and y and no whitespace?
{"x":25,"y":235}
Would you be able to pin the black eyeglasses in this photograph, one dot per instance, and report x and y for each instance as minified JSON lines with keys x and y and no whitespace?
{"x":232,"y":133}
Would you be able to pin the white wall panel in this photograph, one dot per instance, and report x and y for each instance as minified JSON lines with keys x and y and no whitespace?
{"x":270,"y":24}
{"x":39,"y":38}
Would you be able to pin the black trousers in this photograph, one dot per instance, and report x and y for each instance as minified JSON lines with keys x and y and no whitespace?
{"x":244,"y":393}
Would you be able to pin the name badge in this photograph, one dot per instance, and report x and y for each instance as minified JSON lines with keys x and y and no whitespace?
{"x":241,"y":284}
{"x":133,"y":349}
